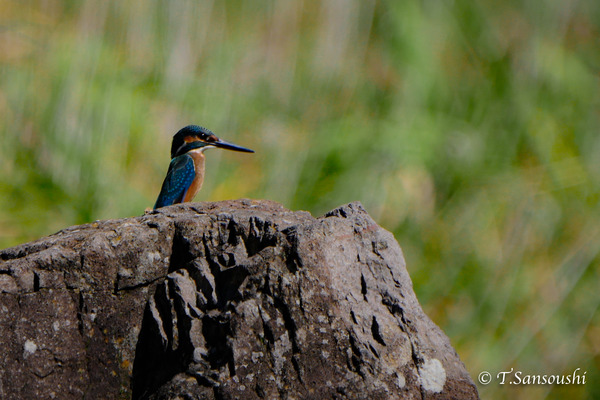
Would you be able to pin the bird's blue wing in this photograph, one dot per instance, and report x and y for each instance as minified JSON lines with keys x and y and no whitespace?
{"x":177,"y":182}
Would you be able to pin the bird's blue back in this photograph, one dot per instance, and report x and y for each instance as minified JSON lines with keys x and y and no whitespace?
{"x":177,"y":182}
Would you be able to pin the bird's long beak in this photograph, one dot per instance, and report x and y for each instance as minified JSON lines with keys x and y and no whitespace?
{"x":230,"y":146}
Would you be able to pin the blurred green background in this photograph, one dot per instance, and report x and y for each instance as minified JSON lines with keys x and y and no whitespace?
{"x":468,"y":129}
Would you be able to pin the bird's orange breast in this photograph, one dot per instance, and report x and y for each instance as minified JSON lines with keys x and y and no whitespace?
{"x":196,"y":185}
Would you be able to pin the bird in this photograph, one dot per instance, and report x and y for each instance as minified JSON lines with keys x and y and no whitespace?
{"x":186,"y":170}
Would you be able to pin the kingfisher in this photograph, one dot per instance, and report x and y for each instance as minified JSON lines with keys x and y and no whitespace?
{"x":186,"y":170}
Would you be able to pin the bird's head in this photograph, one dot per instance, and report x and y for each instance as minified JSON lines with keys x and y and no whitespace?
{"x":196,"y":137}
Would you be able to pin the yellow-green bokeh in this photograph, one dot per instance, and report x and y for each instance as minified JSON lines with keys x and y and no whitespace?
{"x":468,"y":129}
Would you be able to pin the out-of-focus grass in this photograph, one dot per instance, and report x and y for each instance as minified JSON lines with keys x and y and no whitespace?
{"x":469,"y":129}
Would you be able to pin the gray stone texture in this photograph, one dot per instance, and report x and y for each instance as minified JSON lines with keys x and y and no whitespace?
{"x":229,"y":300}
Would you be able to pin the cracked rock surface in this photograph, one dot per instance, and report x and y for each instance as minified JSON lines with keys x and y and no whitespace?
{"x":229,"y":300}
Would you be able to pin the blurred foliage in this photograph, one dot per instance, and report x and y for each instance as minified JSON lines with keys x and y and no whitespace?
{"x":469,"y":129}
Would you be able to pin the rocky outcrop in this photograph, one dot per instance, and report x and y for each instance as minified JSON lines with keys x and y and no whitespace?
{"x":236,"y":299}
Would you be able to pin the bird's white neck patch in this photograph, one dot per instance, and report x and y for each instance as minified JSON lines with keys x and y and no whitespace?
{"x":201,"y":149}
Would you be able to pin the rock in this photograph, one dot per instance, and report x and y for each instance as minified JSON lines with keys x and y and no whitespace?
{"x":236,"y":299}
